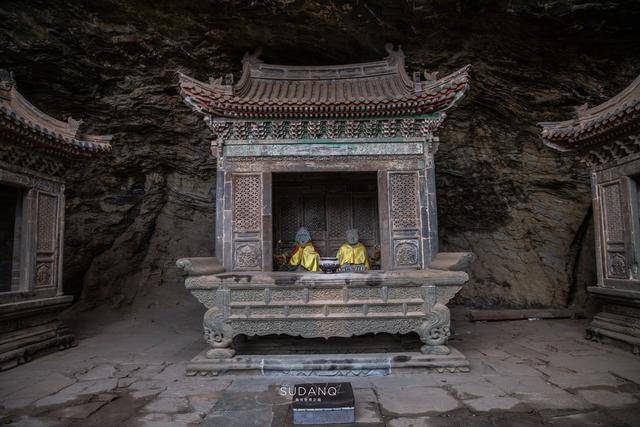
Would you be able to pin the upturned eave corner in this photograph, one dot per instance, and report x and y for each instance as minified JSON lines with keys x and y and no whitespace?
{"x":29,"y":125}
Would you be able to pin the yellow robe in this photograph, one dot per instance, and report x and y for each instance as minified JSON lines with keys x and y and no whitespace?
{"x":307,"y":257}
{"x":356,"y":255}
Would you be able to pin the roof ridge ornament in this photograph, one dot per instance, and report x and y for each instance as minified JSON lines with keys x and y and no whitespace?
{"x":7,"y":82}
{"x":394,"y":54}
{"x":253,"y":58}
{"x":580,"y":110}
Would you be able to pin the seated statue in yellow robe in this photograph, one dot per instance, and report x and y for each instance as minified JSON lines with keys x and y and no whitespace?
{"x":353,"y":255}
{"x":304,"y":254}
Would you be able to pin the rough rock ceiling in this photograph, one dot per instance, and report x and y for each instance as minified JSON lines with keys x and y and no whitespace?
{"x":519,"y":206}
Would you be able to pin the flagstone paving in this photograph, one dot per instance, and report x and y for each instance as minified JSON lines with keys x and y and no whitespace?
{"x":129,"y":371}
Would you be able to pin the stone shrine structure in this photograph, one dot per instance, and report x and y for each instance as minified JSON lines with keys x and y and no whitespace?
{"x":34,"y":149}
{"x":607,"y":138}
{"x":328,"y":148}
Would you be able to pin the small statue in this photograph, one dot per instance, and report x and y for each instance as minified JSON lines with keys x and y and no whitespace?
{"x":304,"y":254}
{"x":353,"y":255}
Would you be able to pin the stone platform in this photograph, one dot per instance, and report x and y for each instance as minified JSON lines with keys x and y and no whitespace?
{"x":359,"y":356}
{"x":313,"y":305}
{"x":30,"y":326}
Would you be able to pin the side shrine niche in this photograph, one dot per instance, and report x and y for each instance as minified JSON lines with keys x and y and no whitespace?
{"x":35,"y":149}
{"x":329,"y":149}
{"x":607,"y":138}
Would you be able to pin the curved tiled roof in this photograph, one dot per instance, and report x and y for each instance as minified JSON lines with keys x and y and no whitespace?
{"x":381,"y":88}
{"x":593,"y":125}
{"x":21,"y":121}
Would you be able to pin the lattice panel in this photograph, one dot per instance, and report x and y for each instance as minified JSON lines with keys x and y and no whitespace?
{"x":247,"y":203}
{"x":338,"y":217}
{"x":612,"y":205}
{"x":314,"y":213}
{"x":404,"y":198}
{"x":47,"y":218}
{"x":289,"y":218}
{"x":364,"y":216}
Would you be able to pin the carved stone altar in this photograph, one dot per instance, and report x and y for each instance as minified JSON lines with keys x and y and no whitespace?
{"x":328,"y":148}
{"x":607,"y":138}
{"x":34,"y":150}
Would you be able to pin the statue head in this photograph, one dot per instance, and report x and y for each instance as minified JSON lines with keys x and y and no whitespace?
{"x":352,"y":236}
{"x":302,"y":236}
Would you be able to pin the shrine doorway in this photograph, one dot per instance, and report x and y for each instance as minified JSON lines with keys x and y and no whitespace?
{"x":10,"y":222}
{"x":327,"y":204}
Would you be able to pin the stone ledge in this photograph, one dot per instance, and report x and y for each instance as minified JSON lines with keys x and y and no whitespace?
{"x":200,"y":266}
{"x":453,"y":261}
{"x":363,"y":364}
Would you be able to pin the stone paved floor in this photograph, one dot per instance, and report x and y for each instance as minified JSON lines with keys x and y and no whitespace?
{"x":129,"y":371}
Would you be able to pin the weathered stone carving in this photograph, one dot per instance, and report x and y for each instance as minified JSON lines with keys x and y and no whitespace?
{"x":247,"y":256}
{"x":406,"y":253}
{"x":43,"y":276}
{"x":617,"y":265}
{"x":218,"y":334}
{"x":435,"y":331}
{"x":309,"y":306}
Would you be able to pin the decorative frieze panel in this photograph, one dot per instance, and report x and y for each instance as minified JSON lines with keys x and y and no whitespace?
{"x":44,"y":275}
{"x":31,"y":160}
{"x":600,"y":155}
{"x":406,"y":253}
{"x":248,"y":256}
{"x":240,"y":130}
{"x":324,"y":149}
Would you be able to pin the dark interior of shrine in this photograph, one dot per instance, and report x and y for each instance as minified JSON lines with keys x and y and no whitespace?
{"x":9,"y":198}
{"x":327,"y":204}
